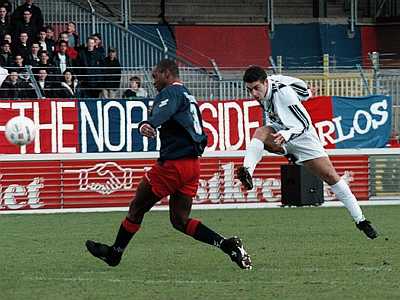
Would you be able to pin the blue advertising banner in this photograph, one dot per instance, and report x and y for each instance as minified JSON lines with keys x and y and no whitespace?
{"x":365,"y":122}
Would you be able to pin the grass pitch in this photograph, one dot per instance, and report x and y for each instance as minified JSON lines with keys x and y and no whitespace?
{"x":298,"y":253}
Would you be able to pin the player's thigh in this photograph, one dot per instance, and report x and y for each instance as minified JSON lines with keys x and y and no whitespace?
{"x":323,"y":168}
{"x":144,"y":199}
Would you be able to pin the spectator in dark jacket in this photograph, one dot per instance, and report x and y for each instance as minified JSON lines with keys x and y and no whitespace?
{"x":61,"y":59}
{"x":112,"y":75}
{"x":33,"y":57}
{"x":6,"y":58}
{"x":48,"y":88}
{"x":37,"y":17}
{"x":10,"y":87}
{"x":22,"y":46}
{"x":45,"y":63}
{"x":26,"y":25}
{"x":98,"y":45}
{"x":7,"y":5}
{"x":90,"y":75}
{"x":4,"y":22}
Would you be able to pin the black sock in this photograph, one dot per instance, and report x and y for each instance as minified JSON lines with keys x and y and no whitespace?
{"x":125,"y":233}
{"x":202,"y":233}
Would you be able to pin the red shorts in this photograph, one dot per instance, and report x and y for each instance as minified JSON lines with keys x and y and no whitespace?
{"x":180,"y":175}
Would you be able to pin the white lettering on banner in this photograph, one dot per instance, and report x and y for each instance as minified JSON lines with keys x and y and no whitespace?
{"x":223,"y":187}
{"x":327,"y":128}
{"x":9,"y":197}
{"x":221,"y":133}
{"x":57,"y":126}
{"x":100,"y":131}
{"x":105,"y":178}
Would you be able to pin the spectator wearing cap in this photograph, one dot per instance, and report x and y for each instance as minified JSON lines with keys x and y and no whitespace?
{"x":135,"y":89}
{"x":4,"y":22}
{"x":6,"y":58}
{"x":26,"y":25}
{"x":112,"y":72}
{"x":36,"y":18}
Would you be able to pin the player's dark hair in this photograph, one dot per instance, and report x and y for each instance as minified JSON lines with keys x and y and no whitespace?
{"x":170,"y":65}
{"x":254,"y":73}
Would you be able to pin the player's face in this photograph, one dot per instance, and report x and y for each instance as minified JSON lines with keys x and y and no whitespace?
{"x":159,"y":79}
{"x":258,"y":89}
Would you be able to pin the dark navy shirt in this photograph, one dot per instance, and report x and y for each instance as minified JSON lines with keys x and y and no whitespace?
{"x":176,"y":113}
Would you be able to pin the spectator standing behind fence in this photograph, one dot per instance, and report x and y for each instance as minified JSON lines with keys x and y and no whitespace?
{"x":49,"y":88}
{"x":89,"y":62}
{"x":6,"y":58}
{"x":112,"y":75}
{"x":33,"y":57}
{"x":73,"y":37}
{"x":15,"y":88}
{"x":61,"y":59}
{"x":26,"y":25}
{"x":37,"y":17}
{"x":99,"y":45}
{"x":50,"y":42}
{"x":45,"y":63}
{"x":135,"y":89}
{"x":4,"y":22}
{"x":70,"y":87}
{"x":22,"y":46}
{"x":71,"y":51}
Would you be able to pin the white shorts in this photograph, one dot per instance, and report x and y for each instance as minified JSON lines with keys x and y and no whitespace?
{"x":306,"y":146}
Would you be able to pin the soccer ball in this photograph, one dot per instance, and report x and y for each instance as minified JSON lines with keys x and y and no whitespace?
{"x":20,"y":130}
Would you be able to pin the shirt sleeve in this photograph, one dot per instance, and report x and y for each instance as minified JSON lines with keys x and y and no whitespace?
{"x":292,"y":114}
{"x":165,"y":106}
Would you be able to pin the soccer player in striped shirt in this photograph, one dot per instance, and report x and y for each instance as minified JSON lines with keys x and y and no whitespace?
{"x":288,"y":131}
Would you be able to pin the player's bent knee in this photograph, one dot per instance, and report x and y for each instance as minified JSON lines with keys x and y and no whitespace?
{"x":178,"y":223}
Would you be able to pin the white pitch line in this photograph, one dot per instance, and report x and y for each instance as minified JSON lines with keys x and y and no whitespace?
{"x":195,"y":207}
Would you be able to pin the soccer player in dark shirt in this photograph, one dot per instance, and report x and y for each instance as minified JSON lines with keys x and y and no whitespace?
{"x":176,"y":173}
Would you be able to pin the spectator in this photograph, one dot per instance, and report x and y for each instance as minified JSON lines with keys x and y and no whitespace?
{"x":6,"y":58}
{"x":22,"y":46}
{"x":73,"y":37}
{"x":4,"y":22}
{"x":47,"y":87}
{"x":50,"y":42}
{"x":135,"y":89}
{"x":72,"y":53}
{"x":112,"y":72}
{"x":61,"y":60}
{"x":26,"y":25}
{"x":99,"y":45}
{"x":70,"y":87}
{"x":45,"y":63}
{"x":7,"y":37}
{"x":7,"y":5}
{"x":90,"y":61}
{"x":11,"y":86}
{"x":37,"y":17}
{"x":33,"y":57}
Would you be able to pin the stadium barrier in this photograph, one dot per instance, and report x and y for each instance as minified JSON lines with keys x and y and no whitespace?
{"x":60,"y":181}
{"x":88,"y":152}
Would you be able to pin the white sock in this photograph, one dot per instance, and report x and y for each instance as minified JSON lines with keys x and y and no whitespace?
{"x":344,"y":194}
{"x":253,"y":155}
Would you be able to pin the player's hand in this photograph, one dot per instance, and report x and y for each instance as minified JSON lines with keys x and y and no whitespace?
{"x":147,"y":130}
{"x":278,"y":138}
